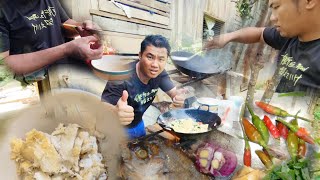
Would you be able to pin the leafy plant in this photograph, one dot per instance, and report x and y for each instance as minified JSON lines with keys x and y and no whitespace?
{"x":290,"y":170}
{"x":244,"y":8}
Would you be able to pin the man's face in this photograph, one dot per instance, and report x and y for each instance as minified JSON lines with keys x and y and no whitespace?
{"x":287,"y":16}
{"x":153,"y":61}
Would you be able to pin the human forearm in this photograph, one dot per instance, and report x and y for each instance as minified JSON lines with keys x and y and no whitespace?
{"x":29,"y":62}
{"x":246,"y":35}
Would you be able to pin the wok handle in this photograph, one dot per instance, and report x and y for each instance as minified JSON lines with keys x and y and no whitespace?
{"x":204,"y":105}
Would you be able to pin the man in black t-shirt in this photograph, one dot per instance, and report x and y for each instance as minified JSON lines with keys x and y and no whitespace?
{"x":296,"y":34}
{"x":132,"y":97}
{"x":31,"y":36}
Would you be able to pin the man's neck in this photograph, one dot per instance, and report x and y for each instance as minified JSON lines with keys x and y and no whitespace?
{"x":140,"y":75}
{"x":310,"y":36}
{"x":312,"y":29}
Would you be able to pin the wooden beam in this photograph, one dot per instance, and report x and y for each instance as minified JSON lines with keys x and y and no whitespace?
{"x":214,"y":17}
{"x":147,"y":8}
{"x":123,"y":18}
{"x":128,"y":27}
{"x":154,"y":4}
{"x":135,"y":13}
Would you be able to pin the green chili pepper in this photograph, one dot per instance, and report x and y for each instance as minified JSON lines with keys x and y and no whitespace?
{"x":259,"y":124}
{"x":293,"y":142}
{"x":252,"y":133}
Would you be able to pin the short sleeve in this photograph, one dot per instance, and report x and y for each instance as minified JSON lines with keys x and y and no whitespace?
{"x":113,"y":91}
{"x":63,"y":15}
{"x":4,"y":33}
{"x":273,"y":38}
{"x":165,"y":83}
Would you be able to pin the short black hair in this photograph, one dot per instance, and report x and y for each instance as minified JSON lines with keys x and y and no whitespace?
{"x":157,"y":41}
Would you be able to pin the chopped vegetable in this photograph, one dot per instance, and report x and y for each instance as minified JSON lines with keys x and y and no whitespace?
{"x":215,"y":161}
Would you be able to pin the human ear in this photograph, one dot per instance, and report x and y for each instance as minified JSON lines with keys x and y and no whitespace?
{"x":140,"y":54}
{"x":310,"y":4}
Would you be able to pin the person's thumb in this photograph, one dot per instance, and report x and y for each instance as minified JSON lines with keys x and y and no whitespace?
{"x":124,"y":98}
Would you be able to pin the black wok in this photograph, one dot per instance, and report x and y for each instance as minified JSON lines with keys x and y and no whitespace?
{"x":205,"y":117}
{"x":196,"y":67}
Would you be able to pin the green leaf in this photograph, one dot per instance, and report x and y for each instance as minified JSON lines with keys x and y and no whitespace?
{"x":305,"y":174}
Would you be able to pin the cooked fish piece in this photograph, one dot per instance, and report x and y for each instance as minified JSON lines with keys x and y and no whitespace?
{"x":93,"y":172}
{"x":89,"y":145}
{"x":42,"y":153}
{"x":66,"y":136}
{"x":76,"y":153}
{"x":69,"y":153}
{"x":41,"y":176}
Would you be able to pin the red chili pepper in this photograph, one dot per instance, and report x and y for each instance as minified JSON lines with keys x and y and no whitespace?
{"x":277,"y":111}
{"x":247,"y":156}
{"x":252,"y":133}
{"x":302,"y":148}
{"x":247,"y":150}
{"x":300,"y":132}
{"x":304,"y":135}
{"x":282,"y":129}
{"x":272,"y":109}
{"x":272,"y":128}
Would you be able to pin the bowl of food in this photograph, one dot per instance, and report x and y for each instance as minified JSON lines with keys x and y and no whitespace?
{"x":71,"y":134}
{"x":114,"y":67}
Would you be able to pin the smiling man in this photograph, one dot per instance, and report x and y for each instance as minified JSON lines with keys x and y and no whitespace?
{"x":132,"y":97}
{"x":296,"y":33}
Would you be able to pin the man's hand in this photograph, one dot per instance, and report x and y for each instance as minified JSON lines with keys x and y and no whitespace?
{"x":178,"y":99}
{"x":81,"y":48}
{"x":89,"y":28}
{"x":217,"y":42}
{"x":125,"y":112}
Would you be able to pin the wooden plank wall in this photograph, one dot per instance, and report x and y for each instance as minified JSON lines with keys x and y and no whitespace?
{"x":186,"y":19}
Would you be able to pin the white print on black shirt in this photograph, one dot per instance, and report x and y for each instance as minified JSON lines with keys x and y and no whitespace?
{"x":42,"y":20}
{"x":145,"y":97}
{"x":287,"y":62}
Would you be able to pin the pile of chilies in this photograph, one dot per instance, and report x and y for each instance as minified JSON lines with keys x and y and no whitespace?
{"x":258,"y":132}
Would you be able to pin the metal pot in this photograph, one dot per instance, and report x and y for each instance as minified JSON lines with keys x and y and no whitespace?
{"x":197,"y":66}
{"x":197,"y":115}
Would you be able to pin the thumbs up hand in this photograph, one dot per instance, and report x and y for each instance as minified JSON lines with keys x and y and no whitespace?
{"x":178,"y":100}
{"x":125,"y":112}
